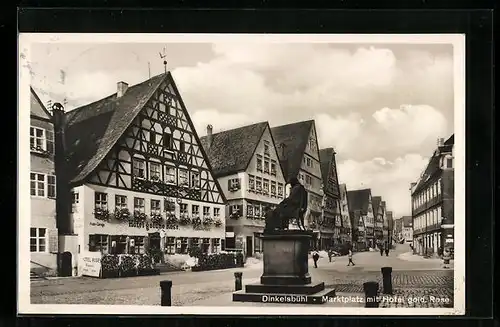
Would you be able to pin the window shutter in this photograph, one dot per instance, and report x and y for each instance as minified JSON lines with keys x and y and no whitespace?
{"x":240,"y":209}
{"x":53,"y":240}
{"x":228,"y":184}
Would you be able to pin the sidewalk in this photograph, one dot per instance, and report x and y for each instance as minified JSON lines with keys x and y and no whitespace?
{"x":409,"y":256}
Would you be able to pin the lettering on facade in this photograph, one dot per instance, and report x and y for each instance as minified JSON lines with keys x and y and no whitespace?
{"x":97,"y":224}
{"x":146,"y":225}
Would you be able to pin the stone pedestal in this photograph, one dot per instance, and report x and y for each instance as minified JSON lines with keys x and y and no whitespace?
{"x":285,"y":278}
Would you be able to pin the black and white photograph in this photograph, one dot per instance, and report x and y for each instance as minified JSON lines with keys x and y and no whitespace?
{"x":249,"y":174}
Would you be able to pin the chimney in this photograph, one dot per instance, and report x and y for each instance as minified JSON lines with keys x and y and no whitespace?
{"x":209,"y":135}
{"x":440,"y":142}
{"x":121,"y":88}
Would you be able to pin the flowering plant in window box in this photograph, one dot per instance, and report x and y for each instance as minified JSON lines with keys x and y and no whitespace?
{"x":128,"y":265}
{"x":122,"y":214}
{"x":39,"y":149}
{"x":140,"y":215}
{"x":207,"y":221}
{"x":109,"y":266}
{"x":184,"y":220}
{"x":196,"y":221}
{"x":156,"y":217}
{"x":155,"y":178}
{"x":235,"y":214}
{"x":101,"y":214}
{"x":218,"y":222}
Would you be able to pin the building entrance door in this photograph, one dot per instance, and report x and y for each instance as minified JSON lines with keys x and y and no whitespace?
{"x":65,"y":269}
{"x":249,"y":246}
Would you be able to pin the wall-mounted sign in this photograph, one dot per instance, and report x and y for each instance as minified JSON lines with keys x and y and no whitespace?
{"x":97,"y":224}
{"x":449,"y":240}
{"x":90,"y":263}
{"x":229,"y":234}
{"x":132,"y":242}
{"x":146,"y":225}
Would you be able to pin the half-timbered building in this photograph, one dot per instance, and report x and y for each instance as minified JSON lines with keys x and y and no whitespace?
{"x":246,"y":164}
{"x":347,"y":227}
{"x":378,"y":213}
{"x":299,"y":156}
{"x":136,"y":168}
{"x":43,"y":231}
{"x":331,"y":223}
{"x":360,"y":201}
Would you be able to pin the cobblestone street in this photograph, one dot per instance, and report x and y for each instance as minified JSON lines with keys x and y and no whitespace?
{"x":410,"y":281}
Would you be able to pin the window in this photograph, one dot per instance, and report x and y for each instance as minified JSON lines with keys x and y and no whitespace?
{"x":266,"y":147}
{"x":257,"y":211}
{"x":259,"y":163}
{"x":250,"y":210}
{"x":183,"y":178}
{"x":195,"y":210}
{"x":312,"y":144}
{"x":308,"y":180}
{"x":216,"y":244}
{"x":41,"y":140}
{"x":280,"y":189}
{"x":301,"y":177}
{"x":154,"y":171}
{"x":38,"y":239}
{"x":170,"y":176}
{"x":234,"y":208}
{"x":251,"y":182}
{"x":152,"y":137}
{"x":167,"y":141}
{"x":139,"y":205}
{"x":139,"y":244}
{"x":168,"y":205}
{"x":182,"y":247}
{"x":120,"y":202}
{"x":449,"y":162}
{"x":74,"y":201}
{"x":266,"y":166}
{"x":273,"y":167}
{"x":155,"y":207}
{"x":439,"y":186}
{"x":138,"y":170}
{"x":233,"y":184}
{"x":170,"y":246}
{"x":309,"y":162}
{"x":183,"y":208}
{"x":273,"y":188}
{"x":205,"y":245}
{"x":206,"y":211}
{"x":265,"y":186}
{"x":216,"y":212}
{"x":42,"y":185}
{"x":182,"y":146}
{"x":195,"y":179}
{"x":258,"y":184}
{"x":101,"y":200}
{"x":98,"y":243}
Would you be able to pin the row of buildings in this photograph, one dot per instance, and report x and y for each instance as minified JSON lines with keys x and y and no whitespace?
{"x":131,"y":166}
{"x":432,"y":202}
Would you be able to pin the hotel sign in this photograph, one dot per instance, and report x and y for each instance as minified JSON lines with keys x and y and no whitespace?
{"x":90,"y":263}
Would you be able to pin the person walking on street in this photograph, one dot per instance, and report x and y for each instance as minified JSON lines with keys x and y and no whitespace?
{"x":446,"y":258}
{"x":330,"y":255}
{"x":381,"y":248}
{"x":315,"y":258}
{"x":387,"y":250}
{"x":350,"y":258}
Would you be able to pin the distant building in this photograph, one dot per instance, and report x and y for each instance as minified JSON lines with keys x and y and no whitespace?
{"x":397,"y":230}
{"x":245,"y":162}
{"x":331,"y":231}
{"x":347,"y":227}
{"x":379,"y":213}
{"x":360,"y":204}
{"x":433,"y":202}
{"x":44,"y":244}
{"x":135,"y":169}
{"x":299,"y":157}
{"x":407,"y":232}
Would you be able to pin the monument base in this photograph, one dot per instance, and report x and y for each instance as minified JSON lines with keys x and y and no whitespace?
{"x":285,"y":278}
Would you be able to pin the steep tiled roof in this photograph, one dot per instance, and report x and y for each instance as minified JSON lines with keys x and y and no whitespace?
{"x":359,"y":200}
{"x":295,"y":137}
{"x":430,"y":170}
{"x":92,"y":130}
{"x":325,"y":157}
{"x":376,"y":201}
{"x":231,"y":151}
{"x":406,"y":220}
{"x":35,"y":101}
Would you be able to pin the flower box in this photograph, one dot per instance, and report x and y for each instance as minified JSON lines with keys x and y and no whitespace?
{"x":207,"y":221}
{"x":218,"y":222}
{"x":156,"y":218}
{"x":140,"y":215}
{"x":215,"y":261}
{"x":184,"y":220}
{"x":101,"y":214}
{"x":128,"y":265}
{"x":122,"y":214}
{"x":196,"y":221}
{"x":110,"y":266}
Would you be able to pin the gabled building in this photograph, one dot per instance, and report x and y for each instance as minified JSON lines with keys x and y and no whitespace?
{"x":360,"y":202}
{"x":378,"y":213}
{"x":44,"y":244}
{"x":407,"y":229}
{"x":246,"y":164}
{"x":390,"y":222}
{"x":433,"y":202}
{"x":135,"y":168}
{"x":299,"y":157}
{"x":347,"y":227}
{"x":330,"y":229}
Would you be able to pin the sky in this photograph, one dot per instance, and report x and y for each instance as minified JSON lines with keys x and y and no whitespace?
{"x":382,"y":107}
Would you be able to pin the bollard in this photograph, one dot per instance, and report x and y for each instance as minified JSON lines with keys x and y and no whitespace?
{"x":387,"y":279}
{"x":166,"y":293}
{"x":237,"y":281}
{"x":371,"y":294}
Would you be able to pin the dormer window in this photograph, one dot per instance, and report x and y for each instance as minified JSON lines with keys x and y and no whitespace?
{"x":233,"y":184}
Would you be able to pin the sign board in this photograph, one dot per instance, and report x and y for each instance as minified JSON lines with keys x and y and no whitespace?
{"x":229,"y":234}
{"x":90,"y":263}
{"x":449,"y":240}
{"x":53,"y":241}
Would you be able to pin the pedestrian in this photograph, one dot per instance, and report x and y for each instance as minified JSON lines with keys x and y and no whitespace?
{"x":330,"y":254}
{"x":381,"y":248}
{"x":315,"y":258}
{"x":387,"y":250}
{"x":350,"y":258}
{"x":446,"y":258}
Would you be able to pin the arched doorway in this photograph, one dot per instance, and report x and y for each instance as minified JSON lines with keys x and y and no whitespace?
{"x":65,"y":264}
